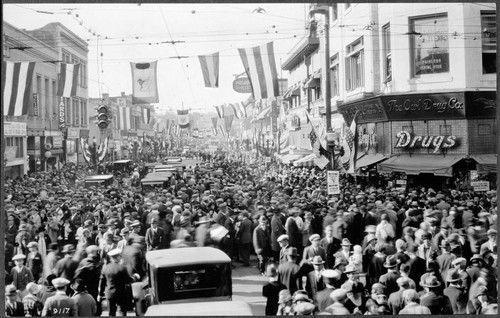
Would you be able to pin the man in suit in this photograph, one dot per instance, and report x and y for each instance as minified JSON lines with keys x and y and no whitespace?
{"x":66,"y":267}
{"x":60,"y":305}
{"x":345,"y":252}
{"x":491,"y":244}
{"x":114,"y":278}
{"x":437,"y":304}
{"x":314,"y":279}
{"x":228,"y":242}
{"x":331,"y":245}
{"x":389,"y":280}
{"x":427,"y":251}
{"x":395,"y":301}
{"x":221,"y":217}
{"x":245,"y":239}
{"x":13,"y":308}
{"x":288,"y":271}
{"x":284,"y":243}
{"x":262,"y":243}
{"x":459,"y":265}
{"x":445,"y":259}
{"x":124,"y":233}
{"x":323,"y":299}
{"x":454,"y":292}
{"x":154,"y":236}
{"x":314,"y":249}
{"x":293,"y":227}
{"x":277,"y":229}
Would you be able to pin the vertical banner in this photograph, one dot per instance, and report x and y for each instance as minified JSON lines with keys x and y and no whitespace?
{"x":144,"y":83}
{"x":35,"y":105}
{"x":333,"y":182}
{"x":183,"y":118}
{"x":62,"y":114}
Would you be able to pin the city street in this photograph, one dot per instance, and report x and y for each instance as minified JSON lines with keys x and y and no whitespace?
{"x":247,"y":286}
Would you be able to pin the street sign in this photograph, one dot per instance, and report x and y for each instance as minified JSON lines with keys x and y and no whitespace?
{"x":242,"y":85}
{"x":480,"y":186}
{"x":333,"y":182}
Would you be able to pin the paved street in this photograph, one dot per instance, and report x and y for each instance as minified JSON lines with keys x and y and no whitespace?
{"x":247,"y":286}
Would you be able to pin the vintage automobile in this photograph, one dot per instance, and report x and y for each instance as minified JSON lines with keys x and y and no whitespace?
{"x":156,"y":180}
{"x":99,"y":180}
{"x":186,"y":275}
{"x":168,"y":168}
{"x":124,"y":165}
{"x":210,"y":308}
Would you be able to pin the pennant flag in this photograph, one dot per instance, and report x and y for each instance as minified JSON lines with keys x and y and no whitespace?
{"x":223,"y":131}
{"x":260,"y":67}
{"x":144,"y":83}
{"x":228,"y":122}
{"x":68,"y":80}
{"x":16,"y":87}
{"x":146,"y":115}
{"x":210,"y":68}
{"x":220,"y":111}
{"x":85,"y":149}
{"x":102,"y":150}
{"x":124,"y":118}
{"x":183,"y":118}
{"x":238,"y":110}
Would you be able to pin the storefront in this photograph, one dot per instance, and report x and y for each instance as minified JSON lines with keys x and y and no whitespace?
{"x":53,"y":149}
{"x":425,"y":133}
{"x":72,"y":145}
{"x":14,"y":145}
{"x":84,"y":133}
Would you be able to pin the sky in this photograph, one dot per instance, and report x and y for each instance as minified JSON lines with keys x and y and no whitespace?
{"x":125,"y":33}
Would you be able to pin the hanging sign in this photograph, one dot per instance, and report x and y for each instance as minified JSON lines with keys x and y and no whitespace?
{"x":333,"y":182}
{"x":62,"y":115}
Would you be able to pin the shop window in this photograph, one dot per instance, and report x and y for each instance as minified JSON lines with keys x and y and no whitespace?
{"x":445,"y":130}
{"x":484,"y":129}
{"x":355,"y":65}
{"x":334,"y":75}
{"x":429,"y":45}
{"x":489,"y":41}
{"x":386,"y":33}
{"x":408,"y":129}
{"x":17,"y":142}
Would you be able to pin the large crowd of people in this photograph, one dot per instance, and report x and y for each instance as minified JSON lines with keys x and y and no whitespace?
{"x":369,"y":250}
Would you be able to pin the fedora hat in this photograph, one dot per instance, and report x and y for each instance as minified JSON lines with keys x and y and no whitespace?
{"x":452,"y":276}
{"x":317,"y":260}
{"x":431,"y":281}
{"x":68,"y":248}
{"x":477,"y":257}
{"x":391,"y":261}
{"x":292,"y":251}
{"x":350,"y":269}
{"x":10,"y":290}
{"x":78,"y":285}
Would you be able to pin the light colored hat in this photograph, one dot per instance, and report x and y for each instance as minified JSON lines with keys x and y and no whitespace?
{"x":346,"y":242}
{"x":19,"y":257}
{"x":60,"y":282}
{"x":304,"y":308}
{"x":338,"y":295}
{"x":10,"y":290}
{"x":33,"y":288}
{"x":32,"y":244}
{"x":114,"y":252}
{"x":350,"y":269}
{"x":283,"y":237}
{"x":314,"y":237}
{"x":459,"y":261}
{"x":431,"y":281}
{"x":330,"y":274}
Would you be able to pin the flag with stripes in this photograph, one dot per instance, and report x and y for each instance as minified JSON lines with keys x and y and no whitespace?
{"x":102,"y":150}
{"x":237,"y":110}
{"x":85,"y":149}
{"x":349,"y":157}
{"x":144,"y":83}
{"x":183,"y":118}
{"x":220,"y":111}
{"x":146,"y":115}
{"x":210,"y":68}
{"x":222,"y":131}
{"x":124,"y":118}
{"x":260,"y":66}
{"x":68,"y":80}
{"x":228,"y":122}
{"x":16,"y":87}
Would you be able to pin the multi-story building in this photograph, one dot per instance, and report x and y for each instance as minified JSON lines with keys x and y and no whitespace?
{"x":126,"y":123}
{"x":420,"y":81}
{"x":69,"y":114}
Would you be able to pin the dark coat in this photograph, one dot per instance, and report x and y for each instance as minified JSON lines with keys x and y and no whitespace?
{"x":15,"y":312}
{"x":271,"y":292}
{"x":155,"y":241}
{"x":66,"y":268}
{"x":288,"y":276}
{"x":309,"y":253}
{"x":314,"y":285}
{"x":294,"y":234}
{"x":88,"y":270}
{"x":458,"y":299}
{"x":114,"y":278}
{"x":389,"y":280}
{"x":437,"y":304}
{"x":277,"y":229}
{"x":261,"y":242}
{"x":330,"y":249}
{"x":245,"y":232}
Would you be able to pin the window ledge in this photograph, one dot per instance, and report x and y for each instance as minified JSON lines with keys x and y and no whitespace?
{"x":430,"y":79}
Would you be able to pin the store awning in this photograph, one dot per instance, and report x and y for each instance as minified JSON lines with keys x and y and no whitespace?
{"x":286,"y":159}
{"x":307,"y":161}
{"x":314,"y":80}
{"x":292,"y":91}
{"x":370,"y":159}
{"x":486,"y":163}
{"x":437,"y":165}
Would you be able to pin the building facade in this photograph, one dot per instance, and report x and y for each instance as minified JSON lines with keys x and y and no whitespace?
{"x":419,"y":80}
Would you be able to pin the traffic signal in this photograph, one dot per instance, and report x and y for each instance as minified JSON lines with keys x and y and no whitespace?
{"x":103,"y":116}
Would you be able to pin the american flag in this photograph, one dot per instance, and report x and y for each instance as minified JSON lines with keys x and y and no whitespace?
{"x":314,"y":141}
{"x":350,"y":137}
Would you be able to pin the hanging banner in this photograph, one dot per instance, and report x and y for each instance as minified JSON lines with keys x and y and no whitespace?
{"x":144,"y":83}
{"x":183,"y":118}
{"x":62,"y":114}
{"x":333,"y":182}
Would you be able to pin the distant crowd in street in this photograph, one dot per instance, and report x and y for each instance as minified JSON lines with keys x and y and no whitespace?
{"x":368,"y":250}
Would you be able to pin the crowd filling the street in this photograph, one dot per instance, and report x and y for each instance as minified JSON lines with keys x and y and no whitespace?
{"x":75,"y":250}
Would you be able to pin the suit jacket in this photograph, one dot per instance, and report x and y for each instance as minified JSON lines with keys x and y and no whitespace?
{"x":277,"y":229}
{"x":85,"y":304}
{"x":309,"y":253}
{"x":389,"y":280}
{"x":283,"y":254}
{"x":155,"y":241}
{"x":396,"y":302}
{"x":330,"y":250}
{"x":294,"y":234}
{"x":245,"y":232}
{"x":22,"y":278}
{"x":60,"y":305}
{"x":444,"y":261}
{"x":288,"y":276}
{"x":261,"y":241}
{"x":114,"y":278}
{"x":66,"y":268}
{"x":458,"y":299}
{"x":313,"y":284}
{"x":18,"y":311}
{"x":437,"y":304}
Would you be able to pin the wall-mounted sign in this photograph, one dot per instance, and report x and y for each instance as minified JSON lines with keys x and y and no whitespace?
{"x":406,"y":140}
{"x":425,"y":106}
{"x":14,"y":129}
{"x":62,"y":115}
{"x":35,"y":105}
{"x":73,"y":132}
{"x":430,"y":45}
{"x":242,"y":85}
{"x":366,"y":111}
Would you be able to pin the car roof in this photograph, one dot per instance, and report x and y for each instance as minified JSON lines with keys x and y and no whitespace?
{"x":158,"y":176}
{"x":99,"y":177}
{"x":186,"y":256}
{"x":212,"y":308}
{"x":122,"y":161}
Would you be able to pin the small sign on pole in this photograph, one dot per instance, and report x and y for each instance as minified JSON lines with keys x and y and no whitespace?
{"x":333,"y":182}
{"x":480,"y":186}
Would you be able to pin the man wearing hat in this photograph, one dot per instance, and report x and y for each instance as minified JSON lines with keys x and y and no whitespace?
{"x":338,"y":297}
{"x":390,"y":278}
{"x":60,"y":305}
{"x":124,"y":233}
{"x":481,"y":304}
{"x":477,"y":262}
{"x":314,"y":249}
{"x":245,"y":238}
{"x":455,"y":293}
{"x":331,"y":245}
{"x":437,"y":304}
{"x":412,"y":307}
{"x":445,"y":259}
{"x":154,"y":236}
{"x":21,"y":275}
{"x":13,"y":308}
{"x":85,"y":303}
{"x":395,"y":301}
{"x":288,"y":272}
{"x":277,"y":229}
{"x":293,"y":227}
{"x":314,"y":279}
{"x":491,"y":244}
{"x":262,"y":243}
{"x":88,"y":270}
{"x":345,"y":252}
{"x":113,"y":282}
{"x":460,"y":265}
{"x":323,"y":300}
{"x":427,"y":251}
{"x":67,"y":266}
{"x":283,"y":241}
{"x":271,"y":290}
{"x":34,"y":261}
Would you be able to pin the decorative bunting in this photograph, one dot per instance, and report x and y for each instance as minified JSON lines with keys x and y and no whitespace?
{"x":220,"y":111}
{"x":102,"y":150}
{"x":146,"y":115}
{"x":16,"y":87}
{"x":183,"y":118}
{"x":84,"y":145}
{"x":210,"y":68}
{"x":68,"y":80}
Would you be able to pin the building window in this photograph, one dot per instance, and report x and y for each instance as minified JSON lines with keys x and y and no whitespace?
{"x":17,"y":142}
{"x":386,"y":34}
{"x":445,"y":130}
{"x":83,"y":74}
{"x":66,"y":57}
{"x":355,"y":65}
{"x":84,"y":113}
{"x":48,"y":106}
{"x":335,"y":11}
{"x":68,"y":107}
{"x":76,"y":112}
{"x":334,"y":75}
{"x":429,"y":45}
{"x":55,"y":102}
{"x":489,"y":41}
{"x":484,"y":129}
